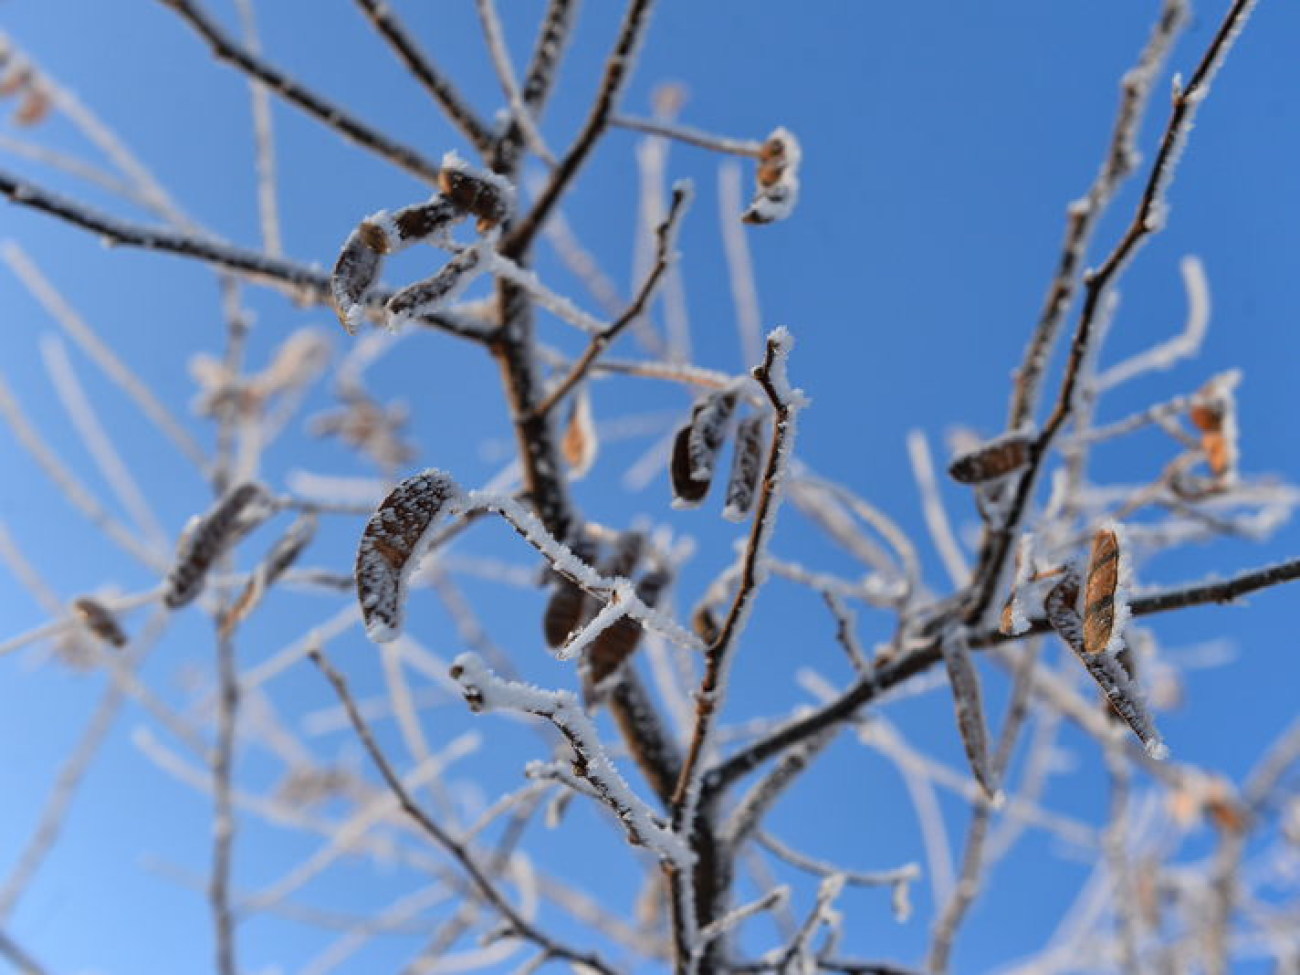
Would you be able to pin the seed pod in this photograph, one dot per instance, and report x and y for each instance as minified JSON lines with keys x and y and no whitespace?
{"x":746,"y":467}
{"x":569,"y":607}
{"x":284,"y":553}
{"x":778,"y":179}
{"x":209,"y":536}
{"x":1214,"y":413}
{"x":96,"y":617}
{"x":580,"y":443}
{"x":992,"y":460}
{"x":488,"y":196}
{"x":705,"y":624}
{"x":1061,"y":607}
{"x":1100,"y":627}
{"x":695,"y":451}
{"x":1125,"y":699}
{"x":392,"y":544}
{"x":355,"y":271}
{"x":687,"y":491}
{"x":427,"y":296}
{"x":969,"y":702}
{"x":620,"y":639}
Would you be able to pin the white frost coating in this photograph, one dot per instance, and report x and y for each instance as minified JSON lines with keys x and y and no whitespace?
{"x":485,"y":691}
{"x":1024,"y":572}
{"x":1182,"y":346}
{"x":778,"y":178}
{"x":556,"y":304}
{"x":969,"y":703}
{"x":611,"y":613}
{"x":563,"y":560}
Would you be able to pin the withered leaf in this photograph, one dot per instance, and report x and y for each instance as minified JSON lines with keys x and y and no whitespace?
{"x":99,"y":620}
{"x":1099,"y":598}
{"x":392,"y":544}
{"x":580,"y":443}
{"x":746,"y":467}
{"x":211,"y":535}
{"x":992,"y":460}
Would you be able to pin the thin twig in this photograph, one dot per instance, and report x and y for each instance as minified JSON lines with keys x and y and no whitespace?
{"x":484,"y":885}
{"x":227,"y":49}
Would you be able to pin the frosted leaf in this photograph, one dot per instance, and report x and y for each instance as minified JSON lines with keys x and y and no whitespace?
{"x":1125,"y":700}
{"x":969,"y":701}
{"x":778,"y":179}
{"x":580,"y":443}
{"x":211,"y":535}
{"x":427,"y":296}
{"x":99,"y":620}
{"x":392,"y":544}
{"x":687,"y":491}
{"x":389,"y":233}
{"x":746,"y":467}
{"x":1061,"y":606}
{"x":991,"y":460}
{"x":355,"y":272}
{"x":1214,"y":413}
{"x":1105,"y":599}
{"x":487,"y":195}
{"x":284,"y":553}
{"x":300,"y":359}
{"x":710,"y":423}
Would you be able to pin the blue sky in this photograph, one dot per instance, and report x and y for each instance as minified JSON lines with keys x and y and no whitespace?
{"x":941,"y":144}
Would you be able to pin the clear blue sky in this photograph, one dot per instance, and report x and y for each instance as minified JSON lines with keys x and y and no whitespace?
{"x":942,"y":142}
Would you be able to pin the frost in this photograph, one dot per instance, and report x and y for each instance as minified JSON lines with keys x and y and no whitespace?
{"x":487,"y":195}
{"x":485,"y":691}
{"x":392,"y":545}
{"x":433,"y":293}
{"x":969,"y":701}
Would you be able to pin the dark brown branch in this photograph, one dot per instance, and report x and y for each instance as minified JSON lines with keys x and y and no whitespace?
{"x":423,"y":70}
{"x":226,"y":48}
{"x":18,"y":956}
{"x":602,"y":340}
{"x":1083,"y":215}
{"x":617,"y":68}
{"x":552,"y":39}
{"x":642,"y":728}
{"x":486,"y":889}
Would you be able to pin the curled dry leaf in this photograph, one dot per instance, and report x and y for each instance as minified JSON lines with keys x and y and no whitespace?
{"x":992,"y":460}
{"x":284,"y":553}
{"x":778,"y":179}
{"x":427,"y":296}
{"x":1103,"y":616}
{"x":354,"y":273}
{"x":211,"y":535}
{"x":392,"y":544}
{"x":695,"y":450}
{"x":99,"y":620}
{"x":580,"y":443}
{"x":486,"y":195}
{"x":746,"y":467}
{"x":1214,"y":414}
{"x":969,"y":701}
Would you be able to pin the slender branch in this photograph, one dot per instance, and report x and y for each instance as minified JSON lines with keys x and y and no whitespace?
{"x":482,"y":882}
{"x":223,"y":829}
{"x":601,"y":340}
{"x":895,"y":671}
{"x":227,"y":49}
{"x":18,"y":956}
{"x":457,"y":110}
{"x":1147,"y":219}
{"x":693,"y":137}
{"x":1083,"y":215}
{"x":552,"y":39}
{"x":264,"y":139}
{"x":617,"y":68}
